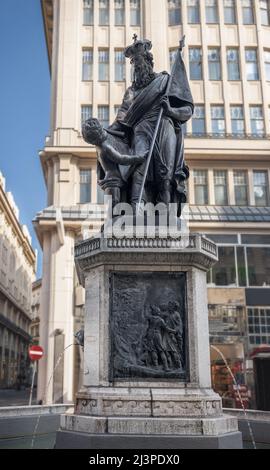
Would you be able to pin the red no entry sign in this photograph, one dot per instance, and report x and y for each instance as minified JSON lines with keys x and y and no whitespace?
{"x":35,"y":353}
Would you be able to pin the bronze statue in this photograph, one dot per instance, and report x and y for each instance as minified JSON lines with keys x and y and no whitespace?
{"x":109,"y":157}
{"x":148,"y":128}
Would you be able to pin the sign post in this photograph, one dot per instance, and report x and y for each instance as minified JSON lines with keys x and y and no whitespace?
{"x":35,"y":354}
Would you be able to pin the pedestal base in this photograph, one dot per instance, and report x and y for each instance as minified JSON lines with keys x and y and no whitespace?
{"x":77,"y":440}
{"x":147,"y":382}
{"x":199,"y":427}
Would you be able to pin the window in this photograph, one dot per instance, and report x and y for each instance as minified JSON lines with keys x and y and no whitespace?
{"x":267,"y":64}
{"x":193,"y":10}
{"x":233,"y":64}
{"x":211,"y":11}
{"x":241,"y":266}
{"x":214,"y":64}
{"x":198,"y":121}
{"x":172,"y":54}
{"x":103,"y":115}
{"x":88,"y":12}
{"x":220,"y":183}
{"x":226,"y":325}
{"x":103,"y":58}
{"x":265,"y":18}
{"x":224,"y":272}
{"x":195,"y":63}
{"x":259,"y":325}
{"x":119,"y":12}
{"x":174,"y":7}
{"x":87,"y":65}
{"x":252,"y":64}
{"x":218,"y":120}
{"x":237,"y":119}
{"x":85,"y":186}
{"x":135,"y":12}
{"x":104,"y":12}
{"x":201,"y":187}
{"x":255,"y":239}
{"x":86,"y":113}
{"x":258,"y":259}
{"x":229,"y":12}
{"x":261,"y":189}
{"x":240,"y":187}
{"x":256,"y":120}
{"x":247,"y":12}
{"x":119,"y":66}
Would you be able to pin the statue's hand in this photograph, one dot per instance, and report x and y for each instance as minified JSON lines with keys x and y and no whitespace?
{"x":166,"y":105}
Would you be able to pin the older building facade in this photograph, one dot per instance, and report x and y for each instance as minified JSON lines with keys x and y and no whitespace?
{"x":227,"y":148}
{"x":17,"y":272}
{"x":35,"y":311}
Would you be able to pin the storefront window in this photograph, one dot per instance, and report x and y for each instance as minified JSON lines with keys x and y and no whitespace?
{"x":241,"y":266}
{"x":224,"y":272}
{"x":258,"y":326}
{"x":258,"y":266}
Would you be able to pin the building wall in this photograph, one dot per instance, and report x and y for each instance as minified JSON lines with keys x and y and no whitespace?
{"x":214,"y":148}
{"x":17,"y":272}
{"x":35,"y":311}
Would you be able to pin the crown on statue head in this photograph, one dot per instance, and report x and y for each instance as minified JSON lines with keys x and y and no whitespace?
{"x":138,"y":47}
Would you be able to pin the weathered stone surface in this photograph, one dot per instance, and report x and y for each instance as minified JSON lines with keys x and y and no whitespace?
{"x":150,"y":426}
{"x":84,"y":424}
{"x":148,"y":402}
{"x":199,"y":252}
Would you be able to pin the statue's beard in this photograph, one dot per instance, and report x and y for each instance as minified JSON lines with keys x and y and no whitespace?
{"x":143,"y":75}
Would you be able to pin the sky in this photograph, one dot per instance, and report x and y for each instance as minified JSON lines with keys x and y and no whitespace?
{"x":24,"y":106}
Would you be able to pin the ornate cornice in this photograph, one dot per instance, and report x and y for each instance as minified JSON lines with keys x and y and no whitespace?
{"x":199,"y":252}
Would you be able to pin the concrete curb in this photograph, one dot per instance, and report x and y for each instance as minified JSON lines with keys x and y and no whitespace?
{"x":19,"y":411}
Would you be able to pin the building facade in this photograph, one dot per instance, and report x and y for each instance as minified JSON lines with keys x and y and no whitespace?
{"x":35,"y":311}
{"x":17,"y":272}
{"x":227,"y":148}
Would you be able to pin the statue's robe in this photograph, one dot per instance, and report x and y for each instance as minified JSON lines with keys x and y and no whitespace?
{"x":138,"y":116}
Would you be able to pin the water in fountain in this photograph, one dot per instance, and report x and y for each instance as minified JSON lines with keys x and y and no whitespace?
{"x":58,"y":362}
{"x":238,"y":393}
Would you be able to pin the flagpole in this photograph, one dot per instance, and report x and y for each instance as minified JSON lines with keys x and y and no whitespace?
{"x":149,"y":158}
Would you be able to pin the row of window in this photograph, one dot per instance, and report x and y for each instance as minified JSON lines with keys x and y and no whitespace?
{"x":240,"y":183}
{"x":103,"y":114}
{"x":257,"y":124}
{"x":233,"y":63}
{"x":212,"y":12}
{"x":175,"y":12}
{"x":119,"y":12}
{"x":241,"y":266}
{"x":103,"y":65}
{"x":195,"y":64}
{"x":201,"y":187}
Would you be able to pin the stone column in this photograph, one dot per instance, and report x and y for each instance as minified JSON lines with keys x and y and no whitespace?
{"x":57,"y":316}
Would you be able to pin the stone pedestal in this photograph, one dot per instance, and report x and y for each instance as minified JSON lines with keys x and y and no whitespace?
{"x":147,"y":377}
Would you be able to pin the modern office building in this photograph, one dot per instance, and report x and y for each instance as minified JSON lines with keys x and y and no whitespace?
{"x":227,"y":56}
{"x":17,"y":272}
